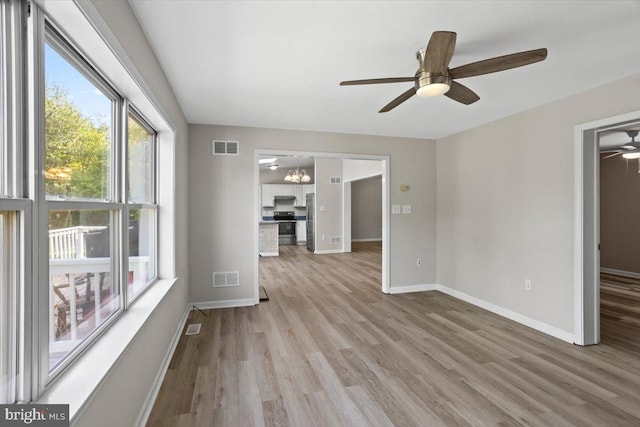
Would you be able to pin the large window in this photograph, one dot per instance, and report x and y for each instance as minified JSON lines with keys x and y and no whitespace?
{"x":97,"y":198}
{"x":79,"y":206}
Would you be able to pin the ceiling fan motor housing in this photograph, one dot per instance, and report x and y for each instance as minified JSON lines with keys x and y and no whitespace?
{"x":425,"y":78}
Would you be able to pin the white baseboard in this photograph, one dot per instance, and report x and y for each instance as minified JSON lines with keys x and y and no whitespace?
{"x":374,"y":239}
{"x":412,"y":288}
{"x":622,"y":273}
{"x":206,"y":305}
{"x":329,"y":251}
{"x":511,"y":315}
{"x":143,"y":417}
{"x":269,"y":254}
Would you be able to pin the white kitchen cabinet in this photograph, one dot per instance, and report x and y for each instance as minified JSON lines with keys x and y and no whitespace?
{"x":269,"y":191}
{"x":301,"y":231}
{"x":267,"y":196}
{"x":299,"y":196}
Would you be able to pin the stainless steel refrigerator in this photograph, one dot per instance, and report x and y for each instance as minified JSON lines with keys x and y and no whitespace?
{"x":311,"y":220}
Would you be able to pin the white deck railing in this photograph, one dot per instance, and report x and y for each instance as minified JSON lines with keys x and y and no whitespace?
{"x":68,"y":257}
{"x":65,"y":243}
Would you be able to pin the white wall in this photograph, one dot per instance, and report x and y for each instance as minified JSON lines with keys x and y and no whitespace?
{"x":354,"y":169}
{"x":505,"y":204}
{"x":120,"y":398}
{"x":223,"y":239}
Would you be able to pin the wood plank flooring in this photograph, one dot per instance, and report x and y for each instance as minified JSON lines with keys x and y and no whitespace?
{"x":329,"y":349}
{"x":620,"y":312}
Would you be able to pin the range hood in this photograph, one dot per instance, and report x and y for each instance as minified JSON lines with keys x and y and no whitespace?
{"x":284,"y":197}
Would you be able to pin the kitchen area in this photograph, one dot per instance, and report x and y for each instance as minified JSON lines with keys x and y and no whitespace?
{"x":287,"y":195}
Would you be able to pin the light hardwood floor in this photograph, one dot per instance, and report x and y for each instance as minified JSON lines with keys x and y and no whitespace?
{"x":329,"y":349}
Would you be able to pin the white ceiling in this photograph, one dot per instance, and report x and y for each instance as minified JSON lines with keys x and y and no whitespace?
{"x":277,"y":64}
{"x":288,"y":162}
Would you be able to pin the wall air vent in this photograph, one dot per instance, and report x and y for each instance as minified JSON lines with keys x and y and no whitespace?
{"x":225,"y":279}
{"x":226,"y":148}
{"x":335,"y":180}
{"x":334,"y":240}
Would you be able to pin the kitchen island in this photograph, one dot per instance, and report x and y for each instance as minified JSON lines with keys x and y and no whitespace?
{"x":268,"y":238}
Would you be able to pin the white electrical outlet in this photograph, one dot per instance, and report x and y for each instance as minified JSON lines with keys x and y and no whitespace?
{"x":527,"y":284}
{"x":419,"y":262}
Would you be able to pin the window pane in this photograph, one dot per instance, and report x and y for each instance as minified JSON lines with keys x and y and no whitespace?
{"x":77,"y":132}
{"x":82,"y":291}
{"x":140,"y":147}
{"x":8,"y":300}
{"x":142,"y":249}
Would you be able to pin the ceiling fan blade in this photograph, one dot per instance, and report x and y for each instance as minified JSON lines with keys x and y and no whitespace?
{"x":399,"y":100}
{"x":461,"y":93}
{"x":439,"y":52}
{"x":613,"y":155}
{"x":376,"y":81}
{"x":499,"y":63}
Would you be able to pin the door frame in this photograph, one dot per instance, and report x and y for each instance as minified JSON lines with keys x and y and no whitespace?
{"x":587,"y":225}
{"x":385,"y":159}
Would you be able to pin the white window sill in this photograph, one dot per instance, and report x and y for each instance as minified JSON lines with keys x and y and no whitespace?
{"x":78,"y":383}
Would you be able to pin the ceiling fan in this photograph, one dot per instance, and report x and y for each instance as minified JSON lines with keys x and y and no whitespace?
{"x":434,"y":77}
{"x":629,"y":151}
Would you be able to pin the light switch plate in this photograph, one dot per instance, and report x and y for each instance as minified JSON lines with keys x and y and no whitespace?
{"x":322,"y":208}
{"x":395,"y":209}
{"x":406,"y":209}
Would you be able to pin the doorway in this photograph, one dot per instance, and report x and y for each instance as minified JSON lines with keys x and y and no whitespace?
{"x":383,"y":162}
{"x":587,"y":223}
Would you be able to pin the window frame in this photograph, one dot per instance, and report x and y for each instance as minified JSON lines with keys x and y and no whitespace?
{"x":24,"y":27}
{"x":117,"y":200}
{"x":129,"y":205}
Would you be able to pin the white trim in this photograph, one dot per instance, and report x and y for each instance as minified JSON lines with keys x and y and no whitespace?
{"x":329,"y":251}
{"x":579,"y":213}
{"x":622,"y":273}
{"x":386,"y":191}
{"x":143,"y":417}
{"x":269,"y":253}
{"x":230,"y":303}
{"x":578,"y":245}
{"x":412,"y":288}
{"x":374,"y":239}
{"x":511,"y":315}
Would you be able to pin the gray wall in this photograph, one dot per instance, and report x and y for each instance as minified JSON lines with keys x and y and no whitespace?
{"x":506,"y":204}
{"x":120,"y":398}
{"x":328,"y":205}
{"x":620,"y":214}
{"x":366,"y":209}
{"x":223,"y":239}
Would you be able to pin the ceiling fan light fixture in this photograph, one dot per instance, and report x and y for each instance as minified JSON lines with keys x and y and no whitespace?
{"x":428,"y":85}
{"x":433,"y":89}
{"x":632,"y":155}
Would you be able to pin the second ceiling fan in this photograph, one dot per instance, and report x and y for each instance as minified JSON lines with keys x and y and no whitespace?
{"x":434,"y":77}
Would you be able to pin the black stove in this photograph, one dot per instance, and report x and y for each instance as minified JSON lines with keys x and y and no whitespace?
{"x":286,"y":227}
{"x":284,"y":216}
